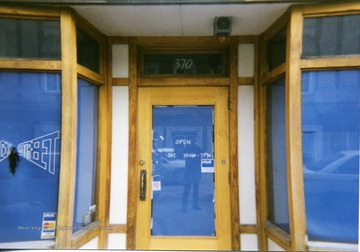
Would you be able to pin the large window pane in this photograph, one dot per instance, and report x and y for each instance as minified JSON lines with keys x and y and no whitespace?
{"x":86,"y":154}
{"x":276,"y":138}
{"x":30,"y":122}
{"x":26,"y":38}
{"x":329,"y":36}
{"x":185,"y":63}
{"x":331,"y":126}
{"x":183,"y":171}
{"x":88,"y":51}
{"x":276,"y":50}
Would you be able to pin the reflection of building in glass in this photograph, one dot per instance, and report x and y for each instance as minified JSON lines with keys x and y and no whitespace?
{"x":331,"y":139}
{"x":331,"y":118}
{"x":182,"y":137}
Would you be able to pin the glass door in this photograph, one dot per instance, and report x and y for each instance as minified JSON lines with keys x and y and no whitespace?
{"x":183,"y":169}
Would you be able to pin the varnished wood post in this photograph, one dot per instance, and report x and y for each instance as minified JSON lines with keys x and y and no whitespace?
{"x":293,"y":132}
{"x":104,"y":150}
{"x":68,"y":131}
{"x":258,"y":119}
{"x":132,"y":174}
{"x":233,"y":148}
{"x":261,"y":180}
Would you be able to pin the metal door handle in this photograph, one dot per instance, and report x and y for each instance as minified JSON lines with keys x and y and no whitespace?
{"x":143,"y":185}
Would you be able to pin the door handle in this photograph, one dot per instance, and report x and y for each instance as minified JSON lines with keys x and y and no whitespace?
{"x":143,"y":185}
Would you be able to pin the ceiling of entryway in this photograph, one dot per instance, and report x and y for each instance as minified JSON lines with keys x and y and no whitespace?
{"x":180,"y":19}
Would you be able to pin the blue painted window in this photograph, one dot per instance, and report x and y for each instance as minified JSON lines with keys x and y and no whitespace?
{"x":183,"y":171}
{"x":30,"y":122}
{"x":331,"y":137}
{"x":276,"y":143}
{"x":86,"y":154}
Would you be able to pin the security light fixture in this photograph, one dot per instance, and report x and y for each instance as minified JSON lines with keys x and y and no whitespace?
{"x":222,"y":28}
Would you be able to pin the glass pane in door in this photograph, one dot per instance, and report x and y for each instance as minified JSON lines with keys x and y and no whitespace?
{"x":183,"y":171}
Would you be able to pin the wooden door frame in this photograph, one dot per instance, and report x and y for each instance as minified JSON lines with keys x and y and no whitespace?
{"x":232,"y":82}
{"x":191,"y":96}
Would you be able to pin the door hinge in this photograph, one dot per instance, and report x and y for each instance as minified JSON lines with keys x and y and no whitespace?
{"x":229,"y":178}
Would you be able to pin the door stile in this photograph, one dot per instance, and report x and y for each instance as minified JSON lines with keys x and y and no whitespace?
{"x":213,"y":96}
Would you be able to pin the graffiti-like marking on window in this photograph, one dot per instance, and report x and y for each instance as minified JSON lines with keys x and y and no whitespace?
{"x":41,"y":151}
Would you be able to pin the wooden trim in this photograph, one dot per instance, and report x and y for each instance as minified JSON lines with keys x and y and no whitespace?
{"x":274,"y":74}
{"x":276,"y":27}
{"x":292,"y":70}
{"x":118,"y":40}
{"x":294,"y":164}
{"x":29,"y":12}
{"x":88,"y":28}
{"x":117,"y":229}
{"x":120,"y":81}
{"x":233,"y":145}
{"x":265,"y":77}
{"x":205,"y":42}
{"x":148,"y":82}
{"x":330,"y":9}
{"x":340,"y":62}
{"x":104,"y":155}
{"x":27,"y":64}
{"x":224,"y":53}
{"x":168,"y":42}
{"x":257,"y":147}
{"x":68,"y":131}
{"x":245,"y":81}
{"x":217,"y":96}
{"x":248,"y":229}
{"x":90,"y":75}
{"x":261,"y":186}
{"x":132,"y":158}
{"x":82,"y":237}
{"x":278,"y":235}
{"x":247,"y":39}
{"x":95,"y":34}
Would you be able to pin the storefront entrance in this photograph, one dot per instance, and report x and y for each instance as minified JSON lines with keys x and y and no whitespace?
{"x":183,"y":169}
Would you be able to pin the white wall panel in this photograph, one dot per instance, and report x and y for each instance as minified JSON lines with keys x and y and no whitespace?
{"x":249,"y":242}
{"x":93,"y":244}
{"x":120,"y":61}
{"x":246,"y":60}
{"x":273,"y":246}
{"x":119,"y":162}
{"x":117,"y":241}
{"x":246,"y":157}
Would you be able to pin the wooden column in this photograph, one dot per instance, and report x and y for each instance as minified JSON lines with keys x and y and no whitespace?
{"x":293,"y":132}
{"x":68,"y":131}
{"x":233,"y":148}
{"x":104,"y":150}
{"x":132,"y":196}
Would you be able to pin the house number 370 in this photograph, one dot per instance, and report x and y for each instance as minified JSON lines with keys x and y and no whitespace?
{"x":183,"y":64}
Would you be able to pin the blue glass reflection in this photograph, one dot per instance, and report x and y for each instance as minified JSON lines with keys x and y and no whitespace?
{"x":183,"y":171}
{"x":276,"y":138}
{"x":30,"y":115}
{"x":86,"y":154}
{"x":331,"y":127}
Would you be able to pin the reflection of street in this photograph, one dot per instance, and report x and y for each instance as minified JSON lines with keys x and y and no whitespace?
{"x":168,"y":218}
{"x":332,"y":197}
